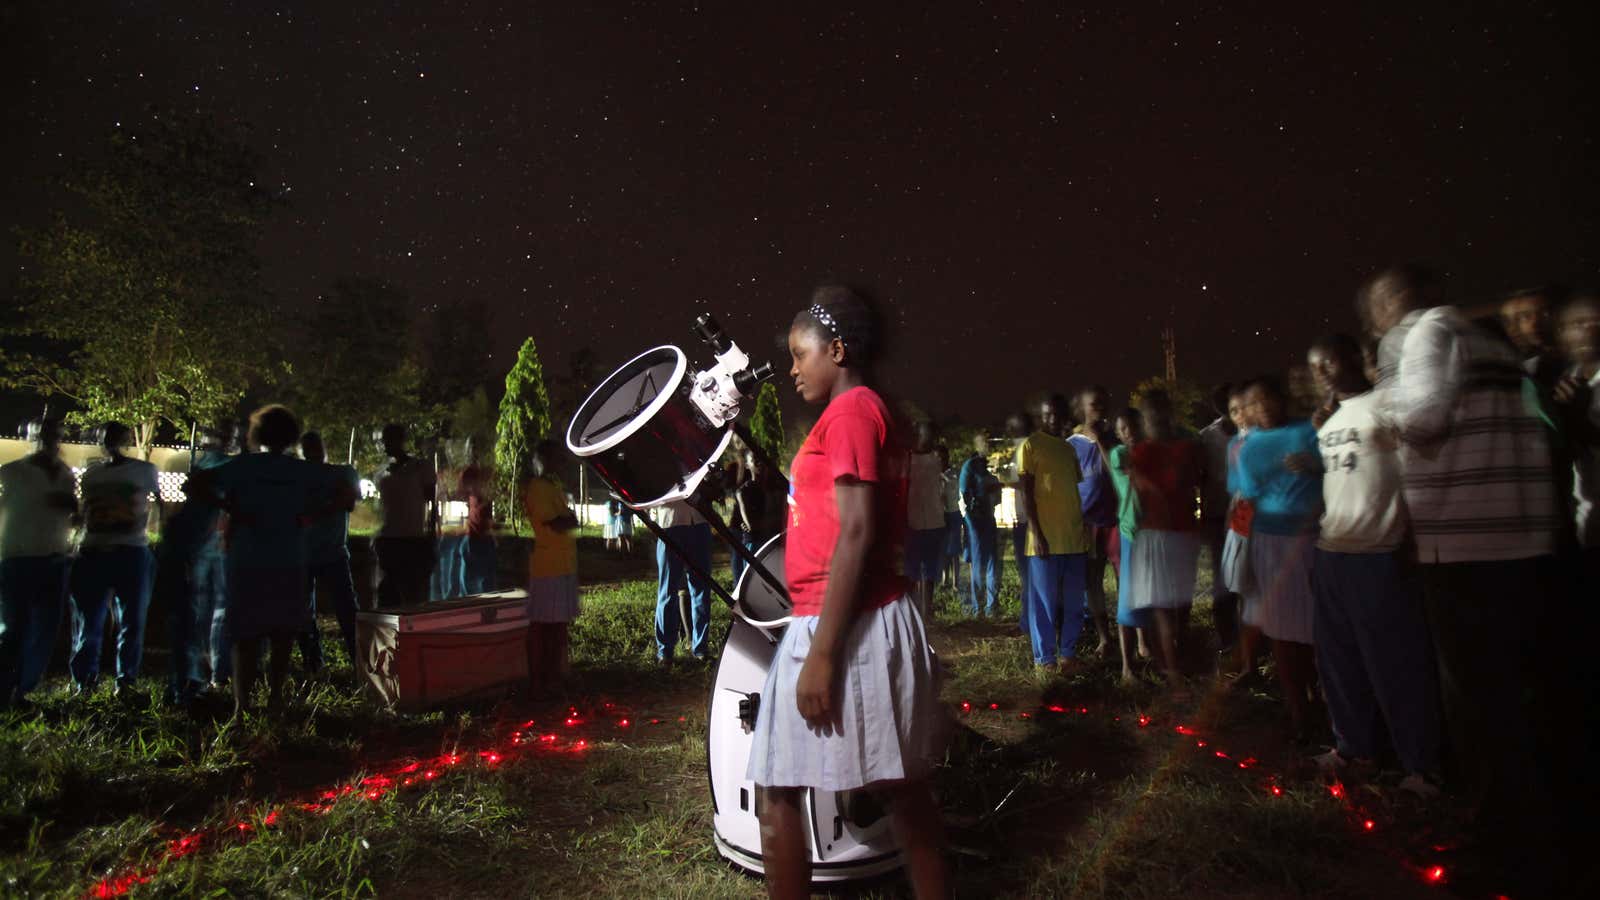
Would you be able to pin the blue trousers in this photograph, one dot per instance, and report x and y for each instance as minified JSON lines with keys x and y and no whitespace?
{"x":210,"y":586}
{"x":477,"y":564}
{"x":449,"y":578}
{"x":1375,"y":657}
{"x":335,"y":578}
{"x":1055,"y":604}
{"x":982,"y":536}
{"x":673,"y":576}
{"x":738,"y":563}
{"x":1019,"y":551}
{"x":120,"y":576}
{"x":32,"y":591}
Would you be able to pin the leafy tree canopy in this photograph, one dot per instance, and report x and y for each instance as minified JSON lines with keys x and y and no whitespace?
{"x":149,"y":292}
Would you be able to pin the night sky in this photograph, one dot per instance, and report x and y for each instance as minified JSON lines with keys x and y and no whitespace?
{"x":1034,"y":191}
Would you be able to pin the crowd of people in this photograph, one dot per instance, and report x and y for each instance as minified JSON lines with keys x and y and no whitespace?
{"x":239,"y":564}
{"x":1408,"y":540}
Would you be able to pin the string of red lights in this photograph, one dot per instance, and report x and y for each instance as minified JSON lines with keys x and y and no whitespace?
{"x":414,"y":773}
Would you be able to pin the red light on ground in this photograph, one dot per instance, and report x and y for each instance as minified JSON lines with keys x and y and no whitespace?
{"x":1024,"y":716}
{"x":1369,"y":825}
{"x":1143,"y":721}
{"x":490,"y":757}
{"x":655,"y":721}
{"x":1058,"y":709}
{"x":1083,"y":710}
{"x":548,"y":738}
{"x":572,"y":722}
{"x":1277,"y":791}
{"x":965,"y":706}
{"x":994,"y":706}
{"x":623,"y":723}
{"x":1247,"y":762}
{"x":411,"y":768}
{"x":1220,"y":754}
{"x":607,"y":705}
{"x":683,"y":718}
{"x":1185,"y":730}
{"x":1435,"y":875}
{"x":580,"y":745}
{"x":527,"y":724}
{"x":271,"y":819}
{"x":1336,"y":790}
{"x":243,"y":826}
{"x":1200,"y":744}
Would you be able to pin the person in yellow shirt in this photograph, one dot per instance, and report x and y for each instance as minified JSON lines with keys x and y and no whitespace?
{"x":552,"y":567}
{"x":1058,"y":545}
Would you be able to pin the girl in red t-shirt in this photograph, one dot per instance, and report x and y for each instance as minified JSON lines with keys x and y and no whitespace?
{"x":850,"y":701}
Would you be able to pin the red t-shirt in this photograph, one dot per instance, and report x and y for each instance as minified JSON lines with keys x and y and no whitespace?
{"x":475,"y":486}
{"x":1166,"y":476}
{"x":853,"y":439}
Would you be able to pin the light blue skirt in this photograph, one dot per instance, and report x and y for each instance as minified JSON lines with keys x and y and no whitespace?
{"x":1164,"y":567}
{"x":553,"y":599}
{"x":1283,"y":603}
{"x":890,"y":723}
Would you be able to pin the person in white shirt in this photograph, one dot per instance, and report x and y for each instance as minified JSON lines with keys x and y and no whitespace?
{"x":690,"y":533}
{"x":37,"y":509}
{"x":955,"y":541}
{"x":406,"y":541}
{"x":1373,"y":651}
{"x":925,"y":523}
{"x":114,"y":561}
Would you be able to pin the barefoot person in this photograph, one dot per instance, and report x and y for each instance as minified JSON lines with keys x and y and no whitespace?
{"x":1057,"y":549}
{"x":1131,"y":622}
{"x":850,"y":702}
{"x":269,"y":496}
{"x":1280,"y":472}
{"x":1373,"y":652}
{"x":1167,"y":473}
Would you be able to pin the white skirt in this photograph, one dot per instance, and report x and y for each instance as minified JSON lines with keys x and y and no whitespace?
{"x":553,"y":598}
{"x":891,"y":723}
{"x":1163,"y":570}
{"x":1282,"y":603}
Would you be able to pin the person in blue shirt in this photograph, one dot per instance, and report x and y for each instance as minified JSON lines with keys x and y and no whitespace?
{"x":1093,"y":440}
{"x":268,"y":496}
{"x":328,"y":549}
{"x":980,"y":493}
{"x":1280,"y":473}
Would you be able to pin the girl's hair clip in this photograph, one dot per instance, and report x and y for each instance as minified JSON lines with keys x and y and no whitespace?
{"x":826,"y":318}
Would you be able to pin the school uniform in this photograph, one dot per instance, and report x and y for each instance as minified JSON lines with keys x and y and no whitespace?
{"x":1117,"y":465}
{"x":553,"y":561}
{"x":888,"y":705}
{"x":1373,"y":652}
{"x":1167,"y":552}
{"x":1283,"y":536}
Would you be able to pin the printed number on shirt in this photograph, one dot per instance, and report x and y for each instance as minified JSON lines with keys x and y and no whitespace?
{"x":1336,"y":462}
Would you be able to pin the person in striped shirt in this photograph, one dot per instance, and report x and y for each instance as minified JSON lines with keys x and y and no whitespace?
{"x":1484,"y":516}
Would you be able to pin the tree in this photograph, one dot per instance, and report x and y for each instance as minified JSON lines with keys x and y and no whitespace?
{"x":766,"y":422}
{"x":353,"y":368}
{"x":1188,"y":399}
{"x":524,"y":421}
{"x":150,"y":290}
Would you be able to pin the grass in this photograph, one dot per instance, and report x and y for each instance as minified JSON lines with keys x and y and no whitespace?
{"x":1039,"y":803}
